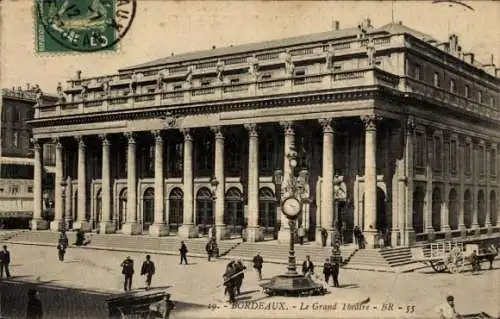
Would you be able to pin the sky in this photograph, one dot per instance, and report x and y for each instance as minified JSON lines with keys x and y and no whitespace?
{"x":163,"y":27}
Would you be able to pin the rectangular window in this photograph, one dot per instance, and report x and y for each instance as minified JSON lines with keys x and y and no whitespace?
{"x":300,"y":72}
{"x":436,"y":80}
{"x":467,"y":91}
{"x":177,"y":86}
{"x":418,"y":72}
{"x":235,"y":81}
{"x":437,"y":153}
{"x":453,"y":156}
{"x":205,"y":83}
{"x":453,"y":86}
{"x":30,"y":189}
{"x":480,"y":96}
{"x":266,"y":76}
{"x":493,"y":162}
{"x":492,"y":101}
{"x":14,"y":189}
{"x":481,"y":160}
{"x":467,"y":159}
{"x":420,"y":150}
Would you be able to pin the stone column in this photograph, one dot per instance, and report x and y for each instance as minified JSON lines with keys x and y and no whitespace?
{"x":159,"y":227}
{"x":489,"y":207}
{"x":409,"y":232}
{"x":81,"y":220}
{"x":254,"y":232}
{"x":475,"y":188}
{"x":284,"y":232}
{"x":221,"y":229}
{"x":106,"y":225}
{"x":444,"y":211}
{"x":398,"y":186}
{"x":327,"y":192}
{"x":55,"y":225}
{"x":370,"y":213}
{"x":429,"y":178}
{"x":68,"y":204}
{"x":188,"y":228}
{"x":462,"y":168}
{"x":38,"y":223}
{"x":131,"y":226}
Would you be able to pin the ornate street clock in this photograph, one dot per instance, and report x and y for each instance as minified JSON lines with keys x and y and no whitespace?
{"x":291,"y":207}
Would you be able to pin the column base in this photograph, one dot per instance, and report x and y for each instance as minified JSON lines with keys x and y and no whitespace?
{"x":254,"y":234}
{"x":410,"y":237}
{"x":284,"y":235}
{"x":430,"y":235}
{"x":158,"y":230}
{"x":56,"y":225}
{"x":475,"y":229}
{"x":221,"y":232}
{"x":188,"y":231}
{"x":395,"y":237}
{"x":319,"y":239}
{"x":107,"y":228}
{"x":370,"y":238}
{"x":68,"y":223}
{"x":39,"y":224}
{"x":84,"y":226}
{"x":132,"y":229}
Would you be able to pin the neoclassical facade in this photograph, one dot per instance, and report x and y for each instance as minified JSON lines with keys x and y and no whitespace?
{"x":395,"y":133}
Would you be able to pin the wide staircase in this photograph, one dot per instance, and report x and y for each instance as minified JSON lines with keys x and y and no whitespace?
{"x":387,"y":259}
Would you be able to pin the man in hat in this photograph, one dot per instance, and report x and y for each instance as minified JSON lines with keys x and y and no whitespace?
{"x":4,"y":262}
{"x":127,"y":271}
{"x":148,"y":269}
{"x":183,"y":251}
{"x":257,"y":264}
{"x":447,"y":310}
{"x":34,"y":309}
{"x":327,"y":270}
{"x":308,"y":267}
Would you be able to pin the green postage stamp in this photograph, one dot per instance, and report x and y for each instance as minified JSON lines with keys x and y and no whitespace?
{"x":81,"y":25}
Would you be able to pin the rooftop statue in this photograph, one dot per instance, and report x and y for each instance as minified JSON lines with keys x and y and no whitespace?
{"x":370,"y":51}
{"x":60,"y":93}
{"x":219,"y":69}
{"x":253,"y":65}
{"x":330,"y":54}
{"x":289,"y":66}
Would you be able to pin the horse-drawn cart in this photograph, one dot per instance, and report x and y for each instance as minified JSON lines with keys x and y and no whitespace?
{"x":443,"y":257}
{"x":140,"y":304}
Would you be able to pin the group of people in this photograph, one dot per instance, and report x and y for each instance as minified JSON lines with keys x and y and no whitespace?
{"x":212,"y":248}
{"x":233,"y":279}
{"x":147,"y":269}
{"x":359,"y":238}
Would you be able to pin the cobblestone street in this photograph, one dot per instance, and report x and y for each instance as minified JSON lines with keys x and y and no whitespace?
{"x":195,"y":289}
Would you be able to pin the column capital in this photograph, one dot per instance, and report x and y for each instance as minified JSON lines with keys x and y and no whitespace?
{"x":130,"y":136}
{"x":218,"y":132}
{"x":57,"y":142}
{"x":370,"y":121}
{"x":410,"y":124}
{"x":104,"y":139}
{"x":81,"y":141}
{"x":252,"y":129}
{"x":287,"y":127}
{"x":36,"y":143}
{"x":430,"y":132}
{"x":157,"y":136}
{"x":327,"y":124}
{"x":494,"y":145}
{"x":187,"y":134}
{"x":169,"y":120}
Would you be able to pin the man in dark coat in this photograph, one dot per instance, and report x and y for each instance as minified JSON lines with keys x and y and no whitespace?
{"x":34,"y":309}
{"x":327,"y":270}
{"x":324,"y":236}
{"x":127,"y":271}
{"x":209,"y":248}
{"x":335,"y":271}
{"x":148,"y":269}
{"x":257,"y":264}
{"x":239,"y":278}
{"x":183,"y":251}
{"x":63,"y":239}
{"x":230,"y":281}
{"x":4,"y":262}
{"x":61,"y":248}
{"x":356,"y":232}
{"x":308,"y":267}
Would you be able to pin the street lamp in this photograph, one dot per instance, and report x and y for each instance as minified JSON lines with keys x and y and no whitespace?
{"x":292,"y":283}
{"x":213,"y":187}
{"x":63,"y":197}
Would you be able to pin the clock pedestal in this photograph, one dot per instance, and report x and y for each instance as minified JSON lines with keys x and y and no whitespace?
{"x":292,"y":285}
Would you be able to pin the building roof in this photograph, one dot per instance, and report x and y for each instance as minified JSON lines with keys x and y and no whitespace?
{"x":391,"y":28}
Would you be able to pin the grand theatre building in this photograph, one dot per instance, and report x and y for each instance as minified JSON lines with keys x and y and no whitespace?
{"x":395,"y":132}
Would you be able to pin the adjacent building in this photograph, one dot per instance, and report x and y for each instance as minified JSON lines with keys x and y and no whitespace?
{"x":16,"y":156}
{"x":395,"y":131}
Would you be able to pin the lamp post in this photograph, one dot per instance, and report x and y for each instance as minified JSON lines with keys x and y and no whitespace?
{"x":63,"y":198}
{"x":291,"y":283}
{"x":213,"y":187}
{"x":278,"y":180}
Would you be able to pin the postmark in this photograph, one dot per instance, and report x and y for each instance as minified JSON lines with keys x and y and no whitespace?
{"x":82,"y":25}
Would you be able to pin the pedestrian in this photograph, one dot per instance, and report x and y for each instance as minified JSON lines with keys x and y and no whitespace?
{"x":148,"y":269}
{"x":63,"y":239}
{"x":4,"y":262}
{"x":301,"y":233}
{"x":240,"y":268}
{"x":475,"y":263}
{"x":183,"y":251}
{"x":357,"y":233}
{"x":80,"y":238}
{"x":128,"y":272}
{"x":34,"y":309}
{"x":361,"y":241}
{"x":335,"y":271}
{"x":308,"y":267}
{"x":229,"y":281}
{"x":61,"y":248}
{"x":209,"y":249}
{"x":257,"y":264}
{"x":447,"y":310}
{"x":324,"y":236}
{"x":327,"y":270}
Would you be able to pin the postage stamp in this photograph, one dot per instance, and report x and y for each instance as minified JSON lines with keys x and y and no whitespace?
{"x":81,"y":25}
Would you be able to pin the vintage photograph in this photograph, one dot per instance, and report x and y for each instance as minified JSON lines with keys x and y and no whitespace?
{"x":249,"y":159}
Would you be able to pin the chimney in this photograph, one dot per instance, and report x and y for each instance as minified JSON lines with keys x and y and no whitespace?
{"x":445,"y":46}
{"x":336,"y":25}
{"x":214,"y":47}
{"x":497,"y":72}
{"x":469,"y":57}
{"x":78,"y":75}
{"x":28,"y":86}
{"x":400,"y":22}
{"x":490,"y":67}
{"x":454,"y":44}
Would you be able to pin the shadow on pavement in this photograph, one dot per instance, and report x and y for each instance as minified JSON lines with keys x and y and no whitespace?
{"x":349,"y":286}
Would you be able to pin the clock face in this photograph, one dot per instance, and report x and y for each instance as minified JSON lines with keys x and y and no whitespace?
{"x":291,"y":207}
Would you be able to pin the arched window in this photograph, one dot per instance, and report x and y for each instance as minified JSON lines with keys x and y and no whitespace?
{"x":436,"y":209}
{"x":176,"y":208}
{"x":267,"y":209}
{"x":418,"y":210}
{"x":98,"y":207}
{"x":233,"y":213}
{"x":467,"y":209}
{"x":204,"y":210}
{"x":148,"y":208}
{"x":453,"y":209}
{"x":493,"y":209}
{"x":481,"y":208}
{"x":122,"y":208}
